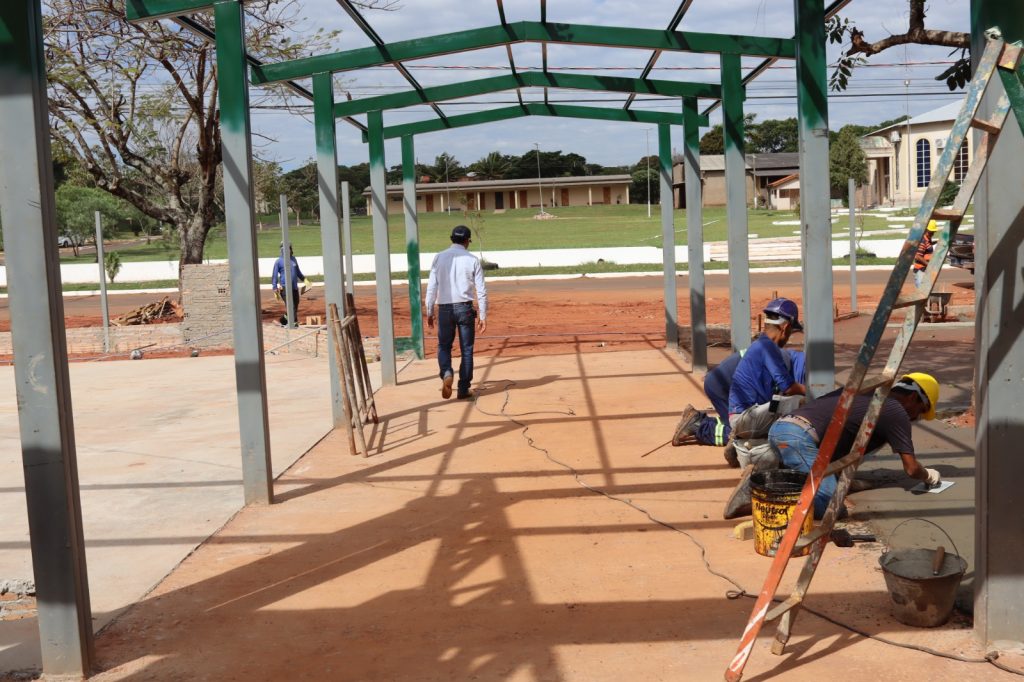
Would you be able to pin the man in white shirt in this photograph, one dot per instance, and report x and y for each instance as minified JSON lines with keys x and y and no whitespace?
{"x":454,"y":274}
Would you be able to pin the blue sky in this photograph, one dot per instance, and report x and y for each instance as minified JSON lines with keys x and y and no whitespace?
{"x":878,"y":92}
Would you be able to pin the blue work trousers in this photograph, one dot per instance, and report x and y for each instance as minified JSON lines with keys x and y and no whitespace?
{"x":452,"y":317}
{"x":714,"y":428}
{"x":798,"y":450}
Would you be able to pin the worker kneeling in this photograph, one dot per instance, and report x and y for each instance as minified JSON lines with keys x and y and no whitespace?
{"x":795,"y":437}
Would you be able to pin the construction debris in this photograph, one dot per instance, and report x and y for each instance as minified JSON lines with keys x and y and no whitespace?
{"x":150,"y":314}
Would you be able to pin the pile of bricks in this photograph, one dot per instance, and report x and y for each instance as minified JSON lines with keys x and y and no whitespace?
{"x":17,"y":599}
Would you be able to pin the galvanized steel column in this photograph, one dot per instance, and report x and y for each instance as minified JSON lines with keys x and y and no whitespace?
{"x":695,"y":235}
{"x":381,"y":248}
{"x":286,"y":264}
{"x":815,"y":219}
{"x":412,"y":242}
{"x":346,"y":238}
{"x":330,"y":223}
{"x":668,"y":235}
{"x":999,"y":373}
{"x":736,"y":201}
{"x":250,"y":372}
{"x":41,"y":362}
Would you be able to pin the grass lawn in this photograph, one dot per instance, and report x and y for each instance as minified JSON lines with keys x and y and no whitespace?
{"x":574,"y":227}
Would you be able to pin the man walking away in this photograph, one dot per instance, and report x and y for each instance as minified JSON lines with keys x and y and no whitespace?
{"x":454,"y":275}
{"x":277,"y":282}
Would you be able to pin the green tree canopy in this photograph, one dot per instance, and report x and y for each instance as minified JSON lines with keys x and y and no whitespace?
{"x":846,"y":160}
{"x":773,"y":135}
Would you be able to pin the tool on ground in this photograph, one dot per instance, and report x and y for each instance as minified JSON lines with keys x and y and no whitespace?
{"x":356,"y":391}
{"x":923,"y":487}
{"x":998,"y":58}
{"x":841,"y":537}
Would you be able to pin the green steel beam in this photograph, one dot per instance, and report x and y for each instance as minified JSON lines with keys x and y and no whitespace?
{"x":330,"y":223}
{"x":668,"y":236}
{"x":736,"y":201}
{"x":695,"y":236}
{"x":483,"y":86}
{"x":412,"y":242}
{"x":525,"y":31}
{"x":535,"y":109}
{"x":250,"y":368}
{"x":146,"y":10}
{"x":815,"y":211}
{"x":382,"y":249}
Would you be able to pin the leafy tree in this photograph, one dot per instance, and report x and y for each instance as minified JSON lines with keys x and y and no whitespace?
{"x":713,"y":141}
{"x":300,"y":186}
{"x":446,"y":168}
{"x":772,"y":136}
{"x":112,"y":264}
{"x":358,"y":178}
{"x":136,"y":104}
{"x":76,"y":212}
{"x":552,"y":165}
{"x":494,"y":166}
{"x":859,"y":49}
{"x":846,"y":160}
{"x":948,"y":194}
{"x":638,"y":188}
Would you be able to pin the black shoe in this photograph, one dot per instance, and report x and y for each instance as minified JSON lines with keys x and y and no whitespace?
{"x":468,"y":395}
{"x":739,"y":502}
{"x":730,"y":455}
{"x":446,"y":385}
{"x":688,"y":423}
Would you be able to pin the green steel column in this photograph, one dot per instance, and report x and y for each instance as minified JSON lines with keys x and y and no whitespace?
{"x":815,"y":220}
{"x":412,"y":241}
{"x":736,"y":201}
{"x":695,"y":235}
{"x":41,"y":364}
{"x":330,"y":223}
{"x":250,"y":371}
{"x":668,"y":236}
{"x":381,"y":248}
{"x":999,"y":372}
{"x":346,"y":238}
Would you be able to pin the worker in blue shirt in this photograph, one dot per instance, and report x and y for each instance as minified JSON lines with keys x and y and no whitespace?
{"x":713,"y":428}
{"x":763,"y":371}
{"x":277,"y":282}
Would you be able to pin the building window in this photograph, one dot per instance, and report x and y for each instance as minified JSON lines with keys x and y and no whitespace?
{"x":962,"y":163}
{"x":924,"y":163}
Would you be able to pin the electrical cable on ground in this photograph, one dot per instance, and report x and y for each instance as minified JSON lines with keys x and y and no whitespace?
{"x":739,"y":591}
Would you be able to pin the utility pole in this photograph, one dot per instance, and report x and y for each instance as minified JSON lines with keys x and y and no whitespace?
{"x":540,"y":190}
{"x":100,"y":258}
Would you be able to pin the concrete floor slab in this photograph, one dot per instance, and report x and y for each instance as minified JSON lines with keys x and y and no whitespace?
{"x":159,"y":467}
{"x":545,"y":531}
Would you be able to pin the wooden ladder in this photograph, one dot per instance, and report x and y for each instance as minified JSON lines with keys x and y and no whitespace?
{"x":998,"y":56}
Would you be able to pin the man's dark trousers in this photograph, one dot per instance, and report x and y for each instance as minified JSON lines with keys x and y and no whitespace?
{"x":452,"y":317}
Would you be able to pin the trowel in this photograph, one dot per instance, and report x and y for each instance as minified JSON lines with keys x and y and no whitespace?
{"x":923,"y":487}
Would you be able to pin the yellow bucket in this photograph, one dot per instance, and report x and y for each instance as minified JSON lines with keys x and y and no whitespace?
{"x":774,"y":495}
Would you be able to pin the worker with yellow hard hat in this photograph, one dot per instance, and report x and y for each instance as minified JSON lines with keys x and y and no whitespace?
{"x":924,"y":252}
{"x":795,"y":437}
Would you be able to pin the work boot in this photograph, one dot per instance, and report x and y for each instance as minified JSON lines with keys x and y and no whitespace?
{"x":731,"y":458}
{"x":739,"y":502}
{"x":446,"y":385}
{"x":687,"y":425}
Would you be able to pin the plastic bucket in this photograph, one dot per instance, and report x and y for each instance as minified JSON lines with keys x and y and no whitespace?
{"x":774,"y":495}
{"x":917,"y":597}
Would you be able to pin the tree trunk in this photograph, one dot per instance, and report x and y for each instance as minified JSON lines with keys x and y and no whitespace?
{"x":192,"y":237}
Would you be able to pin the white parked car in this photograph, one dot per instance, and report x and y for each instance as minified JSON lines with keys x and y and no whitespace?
{"x":66,"y":240}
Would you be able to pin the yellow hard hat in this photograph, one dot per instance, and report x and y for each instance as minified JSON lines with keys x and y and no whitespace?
{"x":933,"y":226}
{"x":930,"y":386}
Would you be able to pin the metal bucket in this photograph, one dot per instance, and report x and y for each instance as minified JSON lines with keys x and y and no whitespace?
{"x":773,"y":496}
{"x":917,"y":597}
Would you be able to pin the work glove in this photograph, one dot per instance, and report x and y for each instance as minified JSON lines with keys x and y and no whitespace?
{"x":933,"y":477}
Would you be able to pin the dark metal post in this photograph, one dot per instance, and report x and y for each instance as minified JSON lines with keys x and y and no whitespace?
{"x":381,"y":248}
{"x":37,"y":327}
{"x":100,"y":258}
{"x":250,"y":371}
{"x":286,"y":263}
{"x":668,"y":235}
{"x":346,"y":238}
{"x":412,"y":242}
{"x":816,"y":225}
{"x":999,"y":373}
{"x":852,"y":191}
{"x":736,"y":201}
{"x":330,"y":224}
{"x":695,"y":235}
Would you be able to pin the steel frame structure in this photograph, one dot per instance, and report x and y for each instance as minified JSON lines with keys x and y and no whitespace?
{"x":44,"y":400}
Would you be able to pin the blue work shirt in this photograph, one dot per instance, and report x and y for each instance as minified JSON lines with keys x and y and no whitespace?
{"x":762,"y":372}
{"x":278,"y":276}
